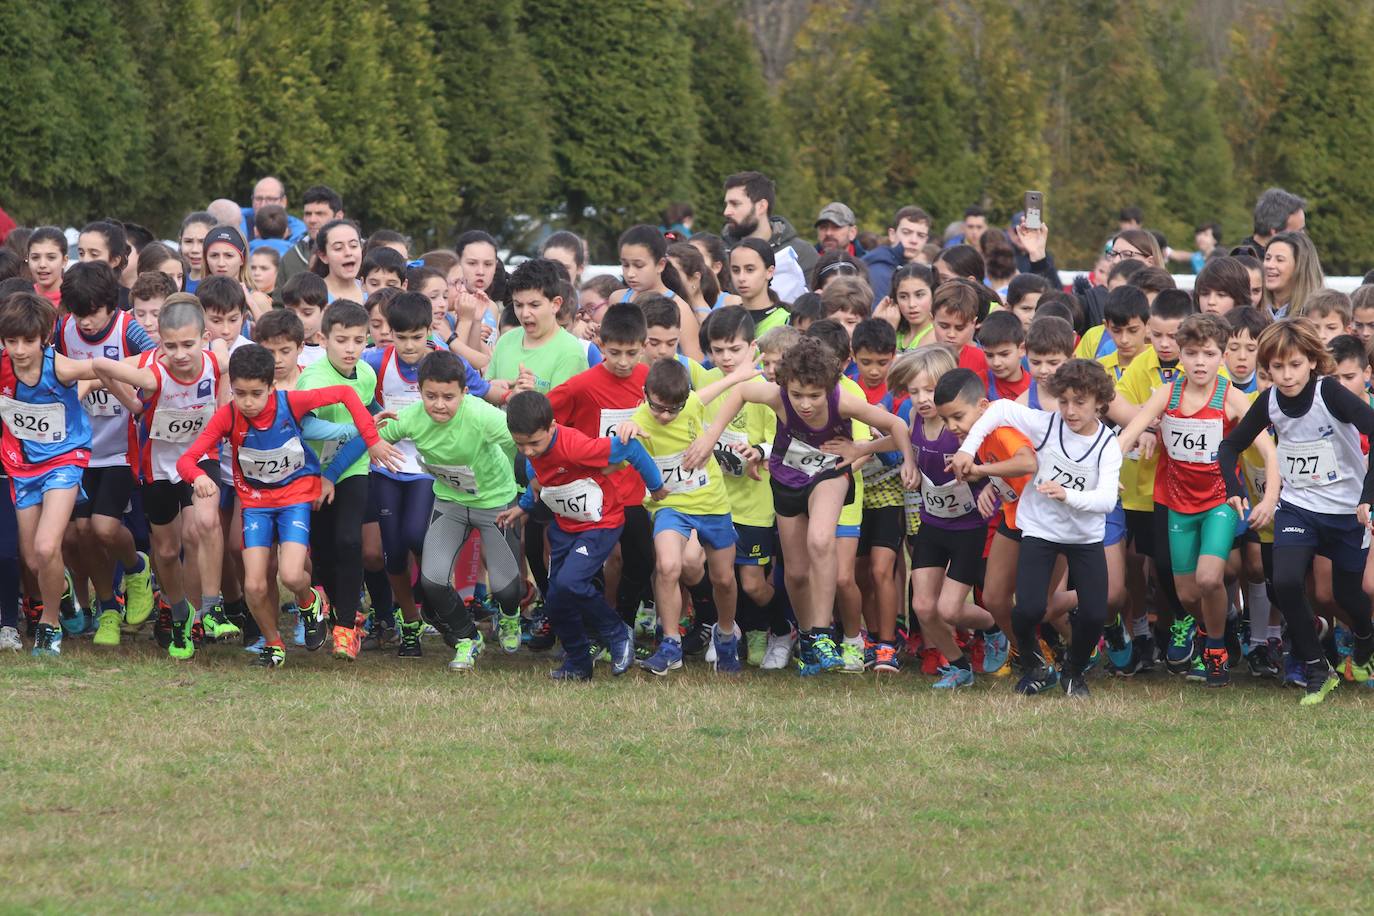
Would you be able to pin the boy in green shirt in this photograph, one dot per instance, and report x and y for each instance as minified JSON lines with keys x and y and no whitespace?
{"x":464,"y":442}
{"x":539,"y":354}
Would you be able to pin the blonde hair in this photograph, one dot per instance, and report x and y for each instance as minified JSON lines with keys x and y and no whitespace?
{"x":1307,"y":272}
{"x":1326,"y":302}
{"x":933,"y":360}
{"x":779,"y":340}
{"x":1294,"y":335}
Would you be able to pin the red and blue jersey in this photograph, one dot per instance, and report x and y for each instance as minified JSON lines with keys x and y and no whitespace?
{"x":44,"y":425}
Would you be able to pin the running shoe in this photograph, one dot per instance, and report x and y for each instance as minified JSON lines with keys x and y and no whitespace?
{"x":256,"y":646}
{"x":1294,"y":672}
{"x":1182,"y":645}
{"x":1261,"y":662}
{"x":668,"y":657}
{"x":870,"y":651}
{"x":47,"y":640}
{"x":508,"y":631}
{"x":138,"y":593}
{"x":298,"y":631}
{"x":1037,"y":680}
{"x":312,"y":621}
{"x":885,"y":659}
{"x":696,"y":639}
{"x":727,"y":652}
{"x":1075,"y":687}
{"x":996,"y":649}
{"x":1321,"y":680}
{"x":346,"y":643}
{"x":541,"y":632}
{"x":1345,"y":642}
{"x":621,"y":650}
{"x":777,"y":655}
{"x":75,"y":621}
{"x":569,"y":671}
{"x":182,"y":647}
{"x":1146,"y":653}
{"x":852,"y":654}
{"x":410,"y":640}
{"x":1197,"y":672}
{"x":270,"y":657}
{"x":381,"y":634}
{"x":1119,"y":650}
{"x":33,"y":613}
{"x":162,"y":627}
{"x":466,"y":652}
{"x":953,"y":677}
{"x":217,"y":625}
{"x":756,"y":646}
{"x":9,"y":639}
{"x":827,"y":655}
{"x":107,"y":630}
{"x":932,"y":660}
{"x":646,"y":621}
{"x":1218,"y":665}
{"x":1357,"y":673}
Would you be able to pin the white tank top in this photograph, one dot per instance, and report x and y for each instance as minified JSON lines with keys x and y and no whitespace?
{"x":176,"y":415}
{"x":111,"y":434}
{"x":1075,"y":465}
{"x":1319,"y":458}
{"x":395,"y":394}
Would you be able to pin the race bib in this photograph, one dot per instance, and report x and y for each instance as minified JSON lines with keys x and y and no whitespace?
{"x":1308,"y":464}
{"x":579,"y":501}
{"x":34,"y":422}
{"x":458,"y":476}
{"x":398,"y":401}
{"x":100,"y":403}
{"x":611,"y":418}
{"x":949,"y":500}
{"x":676,"y":479}
{"x":1004,"y":490}
{"x":1071,"y":475}
{"x":1190,"y":439}
{"x":178,"y":424}
{"x":808,"y":459}
{"x":730,"y":461}
{"x":272,"y":465}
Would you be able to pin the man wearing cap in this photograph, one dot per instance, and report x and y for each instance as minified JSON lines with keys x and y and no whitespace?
{"x":836,"y":230}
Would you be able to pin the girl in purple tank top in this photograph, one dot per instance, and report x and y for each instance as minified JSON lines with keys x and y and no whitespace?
{"x":810,"y":481}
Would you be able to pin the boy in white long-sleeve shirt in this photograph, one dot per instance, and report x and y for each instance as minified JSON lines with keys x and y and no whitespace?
{"x":1062,"y":514}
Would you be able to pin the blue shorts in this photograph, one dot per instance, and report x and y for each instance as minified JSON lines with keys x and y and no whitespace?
{"x":755,"y":545}
{"x":28,"y":491}
{"x":848,"y":531}
{"x":714,"y":531}
{"x":1116,"y":527}
{"x":1339,"y":538}
{"x":280,"y":525}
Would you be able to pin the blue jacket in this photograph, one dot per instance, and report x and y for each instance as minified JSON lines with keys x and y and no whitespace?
{"x":294,"y":226}
{"x":883,"y":262}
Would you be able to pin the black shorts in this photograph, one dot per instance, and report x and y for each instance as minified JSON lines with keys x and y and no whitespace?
{"x":883,"y":526}
{"x":754,"y":545}
{"x":789,"y":502}
{"x":163,"y":500}
{"x":1140,"y":531}
{"x":958,"y":552}
{"x":1007,"y":531}
{"x":107,"y":491}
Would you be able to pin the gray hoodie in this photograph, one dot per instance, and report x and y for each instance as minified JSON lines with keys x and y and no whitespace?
{"x":784,"y":236}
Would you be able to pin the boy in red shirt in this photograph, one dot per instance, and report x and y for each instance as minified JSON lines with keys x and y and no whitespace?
{"x":589,"y":515}
{"x":954,"y":310}
{"x":276,"y":476}
{"x":594,"y":403}
{"x":1003,"y":339}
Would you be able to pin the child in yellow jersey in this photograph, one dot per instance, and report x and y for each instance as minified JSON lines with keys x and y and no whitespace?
{"x":741,"y":454}
{"x":671,"y":422}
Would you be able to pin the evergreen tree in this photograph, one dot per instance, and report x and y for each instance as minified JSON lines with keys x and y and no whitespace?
{"x":625,"y":125}
{"x":493,"y":105}
{"x":739,"y":124}
{"x":1320,"y":140}
{"x":844,"y":132}
{"x":933,"y":162}
{"x":1246,"y":95}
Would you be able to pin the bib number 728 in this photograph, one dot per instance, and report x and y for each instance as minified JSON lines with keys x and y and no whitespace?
{"x":1066,"y":479}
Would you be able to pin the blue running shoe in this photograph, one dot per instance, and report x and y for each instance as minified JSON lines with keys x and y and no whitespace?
{"x":298,"y":633}
{"x":1294,"y":672}
{"x":622,"y":649}
{"x":953,"y":677}
{"x":828,"y":657}
{"x":47,"y":640}
{"x":806,"y":660}
{"x":668,"y":657}
{"x":996,"y":650}
{"x":256,"y":647}
{"x":571,"y":672}
{"x":1182,"y":645}
{"x":1037,"y":680}
{"x":727,"y":651}
{"x":1119,"y":650}
{"x":1345,"y":643}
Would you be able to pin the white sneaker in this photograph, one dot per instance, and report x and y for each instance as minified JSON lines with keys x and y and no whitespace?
{"x":778,"y":654}
{"x":9,"y":639}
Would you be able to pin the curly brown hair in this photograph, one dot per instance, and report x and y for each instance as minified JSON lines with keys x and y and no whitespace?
{"x":809,"y":363}
{"x":1085,"y":376}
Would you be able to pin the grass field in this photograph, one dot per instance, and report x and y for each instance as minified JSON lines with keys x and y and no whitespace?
{"x":132,"y":783}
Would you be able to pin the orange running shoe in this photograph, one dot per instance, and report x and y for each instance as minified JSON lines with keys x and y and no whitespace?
{"x":346,"y":643}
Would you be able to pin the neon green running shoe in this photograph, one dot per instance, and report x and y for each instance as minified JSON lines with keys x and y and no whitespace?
{"x":107,"y":633}
{"x":1357,"y":673}
{"x":508,"y":631}
{"x":756,"y":644}
{"x":182,"y":647}
{"x":270,"y":657}
{"x":853,"y":656}
{"x":138,"y":594}
{"x":217,"y":626}
{"x":465,"y":654}
{"x":1321,"y":680}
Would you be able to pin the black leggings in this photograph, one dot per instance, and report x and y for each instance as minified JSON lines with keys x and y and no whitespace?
{"x":1290,"y":585}
{"x":1164,"y":566}
{"x":1088,"y":569}
{"x":336,"y":547}
{"x":636,"y":562}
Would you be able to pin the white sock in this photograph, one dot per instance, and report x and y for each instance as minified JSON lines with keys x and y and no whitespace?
{"x":1257,"y":601}
{"x":1140,"y":626}
{"x":854,"y":641}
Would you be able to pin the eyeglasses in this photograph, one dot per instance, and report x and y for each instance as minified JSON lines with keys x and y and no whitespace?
{"x":662,"y":408}
{"x":1124,"y":254}
{"x":259,"y":199}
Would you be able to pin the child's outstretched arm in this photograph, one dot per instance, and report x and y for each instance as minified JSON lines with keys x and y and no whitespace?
{"x":742,"y":373}
{"x":1140,"y":420}
{"x":216,"y":429}
{"x":638,"y":458}
{"x":876,"y":417}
